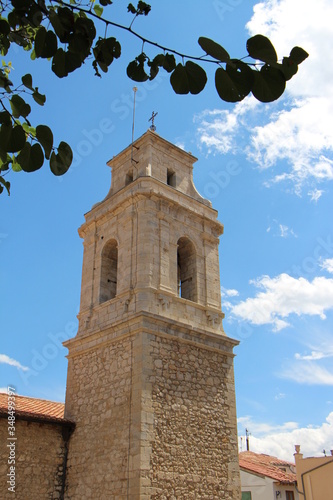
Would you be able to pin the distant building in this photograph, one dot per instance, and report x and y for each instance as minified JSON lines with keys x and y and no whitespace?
{"x":267,"y":478}
{"x":314,"y":476}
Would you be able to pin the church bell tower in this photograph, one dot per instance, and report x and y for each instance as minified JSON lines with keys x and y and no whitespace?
{"x":150,"y":372}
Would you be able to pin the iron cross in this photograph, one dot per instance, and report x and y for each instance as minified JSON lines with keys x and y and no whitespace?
{"x":151,"y":119}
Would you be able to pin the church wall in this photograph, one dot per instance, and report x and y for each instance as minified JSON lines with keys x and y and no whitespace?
{"x":99,"y":401}
{"x":193,"y":434}
{"x":39,"y":459}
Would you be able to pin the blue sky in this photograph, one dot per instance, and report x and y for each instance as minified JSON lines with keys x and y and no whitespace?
{"x":267,"y":169}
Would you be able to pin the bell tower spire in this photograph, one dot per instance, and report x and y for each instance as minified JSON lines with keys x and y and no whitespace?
{"x":151,"y":369}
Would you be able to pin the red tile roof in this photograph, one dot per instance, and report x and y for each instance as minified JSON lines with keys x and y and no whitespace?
{"x":268,"y":466}
{"x":35,"y":409}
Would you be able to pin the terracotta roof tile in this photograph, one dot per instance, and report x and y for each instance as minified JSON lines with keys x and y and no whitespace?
{"x":267,"y":466}
{"x":40,"y":409}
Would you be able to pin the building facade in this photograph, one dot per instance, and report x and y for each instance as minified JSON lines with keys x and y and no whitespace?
{"x":264,"y":477}
{"x":314,"y":476}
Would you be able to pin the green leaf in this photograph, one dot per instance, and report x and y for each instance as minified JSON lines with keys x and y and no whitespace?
{"x":5,"y":161}
{"x":45,"y":137}
{"x":169,"y":63}
{"x":59,"y":63}
{"x":39,"y":98}
{"x":4,"y":81}
{"x":235,"y":82}
{"x":98,"y":10}
{"x":260,"y":47}
{"x":16,"y":167}
{"x":135,"y":70}
{"x":45,"y":43}
{"x":143,"y":8}
{"x":4,"y":183}
{"x":19,"y":106}
{"x":105,"y":51}
{"x":298,"y":55}
{"x":16,"y":140}
{"x":288,"y":67}
{"x":29,"y":130}
{"x":62,"y":22}
{"x":269,"y":84}
{"x":131,"y":8}
{"x":190,"y":78}
{"x":27,"y":81}
{"x":166,"y":61}
{"x":5,"y":132}
{"x":65,"y":62}
{"x":179,"y":80}
{"x":72,"y":61}
{"x":60,"y":162}
{"x":21,"y":4}
{"x":5,"y":117}
{"x":213,"y":49}
{"x":85,"y":27}
{"x":30,"y":158}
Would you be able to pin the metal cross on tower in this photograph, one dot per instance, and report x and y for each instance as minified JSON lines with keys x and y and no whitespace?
{"x":151,"y":119}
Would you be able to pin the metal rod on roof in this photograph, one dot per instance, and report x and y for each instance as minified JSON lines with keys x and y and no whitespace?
{"x":247,"y":440}
{"x":134,"y":90}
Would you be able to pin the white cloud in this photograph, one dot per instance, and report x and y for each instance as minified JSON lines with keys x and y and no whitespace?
{"x":302,"y":136}
{"x":231,"y":292}
{"x":299,"y":136}
{"x":286,"y":231}
{"x":307,"y":372}
{"x":315,"y":194}
{"x":315,"y":355}
{"x":279,"y":396}
{"x":282,"y":296}
{"x":12,"y":362}
{"x":327,"y":264}
{"x":181,"y":145}
{"x":280,"y":440}
{"x":217,"y":128}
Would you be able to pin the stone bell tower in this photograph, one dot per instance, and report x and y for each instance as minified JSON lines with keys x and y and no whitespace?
{"x":150,"y":374}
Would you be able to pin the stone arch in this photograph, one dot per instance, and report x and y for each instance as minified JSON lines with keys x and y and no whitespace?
{"x":109,"y":271}
{"x":186,"y":269}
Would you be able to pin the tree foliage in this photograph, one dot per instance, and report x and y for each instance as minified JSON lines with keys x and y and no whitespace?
{"x":65,"y":34}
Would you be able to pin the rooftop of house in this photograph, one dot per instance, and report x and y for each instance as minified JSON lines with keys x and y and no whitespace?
{"x":268,"y":466}
{"x":34,"y":409}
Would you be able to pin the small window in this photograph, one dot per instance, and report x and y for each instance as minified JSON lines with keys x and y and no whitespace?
{"x":129,"y":178}
{"x":186,"y":270}
{"x":290,"y":495}
{"x":171,"y":178}
{"x":246,"y":495}
{"x":109,"y":268}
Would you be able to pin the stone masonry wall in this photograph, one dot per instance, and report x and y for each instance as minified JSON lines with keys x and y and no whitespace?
{"x":194,"y":449}
{"x":39,"y":455}
{"x":99,"y":402}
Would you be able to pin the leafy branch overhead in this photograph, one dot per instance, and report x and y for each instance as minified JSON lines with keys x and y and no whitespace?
{"x":65,"y":33}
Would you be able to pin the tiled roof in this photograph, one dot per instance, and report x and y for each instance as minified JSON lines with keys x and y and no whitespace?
{"x":268,"y":466}
{"x":35,"y":409}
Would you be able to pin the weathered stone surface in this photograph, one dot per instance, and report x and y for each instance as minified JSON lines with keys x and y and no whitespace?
{"x":39,"y":459}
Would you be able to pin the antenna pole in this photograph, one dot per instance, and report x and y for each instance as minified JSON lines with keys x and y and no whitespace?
{"x":134,"y":90}
{"x":247,"y":440}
